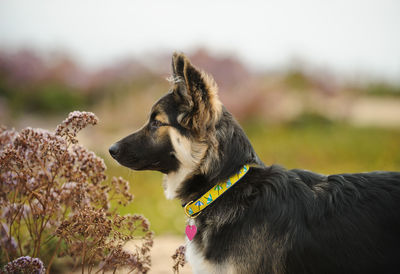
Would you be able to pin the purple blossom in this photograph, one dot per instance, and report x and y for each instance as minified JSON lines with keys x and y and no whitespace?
{"x":26,"y":265}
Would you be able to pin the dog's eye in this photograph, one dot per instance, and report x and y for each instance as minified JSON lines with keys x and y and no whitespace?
{"x":154,"y":124}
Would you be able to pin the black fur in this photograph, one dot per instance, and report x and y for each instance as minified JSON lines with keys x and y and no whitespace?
{"x":346,"y":223}
{"x":351,"y":225}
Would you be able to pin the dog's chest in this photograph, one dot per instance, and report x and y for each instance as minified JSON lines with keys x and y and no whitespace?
{"x":202,"y":266}
{"x":196,"y":259}
{"x":194,"y":254}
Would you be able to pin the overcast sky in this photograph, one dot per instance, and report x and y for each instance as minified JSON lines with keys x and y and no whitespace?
{"x":345,"y":35}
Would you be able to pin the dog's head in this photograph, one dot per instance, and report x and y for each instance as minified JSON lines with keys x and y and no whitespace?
{"x":181,"y":125}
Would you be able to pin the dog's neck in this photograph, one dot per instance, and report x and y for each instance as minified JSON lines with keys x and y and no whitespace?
{"x":235,"y":151}
{"x":173,"y":180}
{"x":194,"y":208}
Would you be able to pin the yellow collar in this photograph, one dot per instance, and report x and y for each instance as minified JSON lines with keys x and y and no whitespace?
{"x":194,"y":208}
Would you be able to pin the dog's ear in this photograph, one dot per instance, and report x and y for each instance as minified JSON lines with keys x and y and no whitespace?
{"x":198,"y":93}
{"x":178,"y":63}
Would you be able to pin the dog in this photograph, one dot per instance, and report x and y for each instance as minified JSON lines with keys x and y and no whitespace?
{"x":272,"y":220}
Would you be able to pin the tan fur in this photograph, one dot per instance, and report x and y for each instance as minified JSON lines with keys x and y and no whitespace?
{"x":162,"y":133}
{"x":162,"y":118}
{"x":213,"y":97}
{"x":189,"y":155}
{"x":173,"y":180}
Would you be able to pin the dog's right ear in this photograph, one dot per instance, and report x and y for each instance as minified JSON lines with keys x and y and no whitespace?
{"x":197,"y":92}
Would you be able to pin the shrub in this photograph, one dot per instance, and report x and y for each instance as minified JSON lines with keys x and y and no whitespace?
{"x":54,"y":191}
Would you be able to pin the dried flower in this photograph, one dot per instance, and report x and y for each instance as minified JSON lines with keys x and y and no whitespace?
{"x":76,"y":121}
{"x":7,"y":240}
{"x":26,"y":265}
{"x":52,"y":186}
{"x":179,"y":258}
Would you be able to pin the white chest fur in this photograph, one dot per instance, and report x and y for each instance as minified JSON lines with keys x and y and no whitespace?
{"x":199,"y":264}
{"x":195,"y":258}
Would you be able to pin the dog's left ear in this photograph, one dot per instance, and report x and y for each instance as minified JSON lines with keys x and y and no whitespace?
{"x":201,"y":108}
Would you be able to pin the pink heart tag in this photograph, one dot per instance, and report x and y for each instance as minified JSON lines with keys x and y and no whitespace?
{"x":190,"y":231}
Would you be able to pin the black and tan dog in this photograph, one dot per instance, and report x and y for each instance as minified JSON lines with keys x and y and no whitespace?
{"x":273,"y":220}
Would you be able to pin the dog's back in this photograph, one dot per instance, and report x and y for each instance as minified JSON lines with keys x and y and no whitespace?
{"x":297,"y":221}
{"x":354,"y":228}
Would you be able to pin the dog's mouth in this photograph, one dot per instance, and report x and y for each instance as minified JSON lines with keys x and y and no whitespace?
{"x":134,"y":163}
{"x":152,"y":166}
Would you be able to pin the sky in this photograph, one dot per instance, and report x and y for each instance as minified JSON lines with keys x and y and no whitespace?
{"x":349,"y":36}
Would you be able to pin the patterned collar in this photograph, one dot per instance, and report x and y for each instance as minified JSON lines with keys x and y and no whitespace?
{"x":194,"y":208}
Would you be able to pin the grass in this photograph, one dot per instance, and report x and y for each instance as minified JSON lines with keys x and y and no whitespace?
{"x":316,"y":145}
{"x":165,"y":216}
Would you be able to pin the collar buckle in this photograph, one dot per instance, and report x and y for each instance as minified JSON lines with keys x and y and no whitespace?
{"x":187,"y":214}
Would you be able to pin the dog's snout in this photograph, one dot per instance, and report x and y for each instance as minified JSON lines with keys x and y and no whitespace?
{"x":114,"y":150}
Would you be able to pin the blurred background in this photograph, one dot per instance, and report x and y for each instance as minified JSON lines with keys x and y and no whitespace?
{"x":315,"y":84}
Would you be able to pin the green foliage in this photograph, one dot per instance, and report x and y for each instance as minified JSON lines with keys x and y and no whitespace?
{"x":383,"y":89}
{"x":55,"y":97}
{"x":310,"y":118}
{"x":296,"y":79}
{"x":327,"y":147}
{"x":49,"y":98}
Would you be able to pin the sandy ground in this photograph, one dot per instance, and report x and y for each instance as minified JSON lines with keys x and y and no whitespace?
{"x":164,"y":247}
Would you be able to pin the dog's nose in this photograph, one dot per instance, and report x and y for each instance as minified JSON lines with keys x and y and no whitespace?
{"x":114,"y":149}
